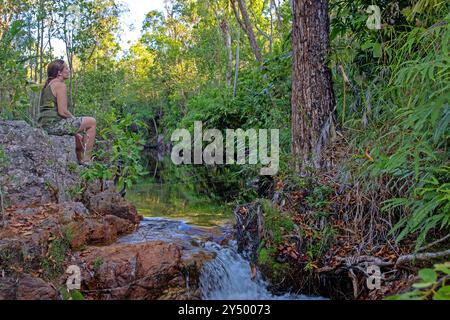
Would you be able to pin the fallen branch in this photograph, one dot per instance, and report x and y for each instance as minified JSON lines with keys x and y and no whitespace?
{"x":369,"y":260}
{"x":421,"y":256}
{"x":357,"y":261}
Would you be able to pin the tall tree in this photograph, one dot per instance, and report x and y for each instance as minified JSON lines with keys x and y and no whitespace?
{"x":313,"y":104}
{"x":223,"y":27}
{"x":227,"y":41}
{"x":246,"y":24}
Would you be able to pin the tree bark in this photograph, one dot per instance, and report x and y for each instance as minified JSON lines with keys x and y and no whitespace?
{"x":313,"y":104}
{"x":38,"y":39}
{"x":41,"y":40}
{"x":246,"y":24}
{"x":279,"y":23}
{"x":261,"y":32}
{"x":227,"y":40}
{"x":237,"y":62}
{"x":68,"y":40}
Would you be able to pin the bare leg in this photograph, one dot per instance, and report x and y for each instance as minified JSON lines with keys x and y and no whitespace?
{"x":89,"y":126}
{"x":79,"y":146}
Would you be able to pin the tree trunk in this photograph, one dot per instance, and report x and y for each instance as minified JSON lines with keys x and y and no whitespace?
{"x":49,"y":33}
{"x":247,"y":26}
{"x":313,"y":104}
{"x":227,"y":40}
{"x":236,"y":66}
{"x":261,"y":32}
{"x":279,"y":22}
{"x":36,"y":59}
{"x":41,"y":49}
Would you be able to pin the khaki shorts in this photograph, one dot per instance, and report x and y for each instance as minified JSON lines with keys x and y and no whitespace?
{"x":64,"y":127}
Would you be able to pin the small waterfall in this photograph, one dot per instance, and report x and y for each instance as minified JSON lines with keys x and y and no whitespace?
{"x":228,"y":277}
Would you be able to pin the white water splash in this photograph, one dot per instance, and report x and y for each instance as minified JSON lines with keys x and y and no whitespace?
{"x":228,"y":277}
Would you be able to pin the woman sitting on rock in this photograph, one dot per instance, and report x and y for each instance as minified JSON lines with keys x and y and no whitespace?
{"x":54,"y":115}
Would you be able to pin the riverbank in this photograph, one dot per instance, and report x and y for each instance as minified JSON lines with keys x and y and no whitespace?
{"x":65,"y":238}
{"x":308,"y":237}
{"x":305,"y":239}
{"x":58,"y":230}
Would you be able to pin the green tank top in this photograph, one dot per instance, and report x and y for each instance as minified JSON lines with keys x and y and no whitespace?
{"x":48,"y":108}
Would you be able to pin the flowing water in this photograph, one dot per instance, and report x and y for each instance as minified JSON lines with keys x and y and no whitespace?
{"x":228,"y":277}
{"x":200,"y":227}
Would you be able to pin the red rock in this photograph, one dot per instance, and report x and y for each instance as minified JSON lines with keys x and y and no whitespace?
{"x":152,"y":270}
{"x":27,"y":287}
{"x":112,"y":203}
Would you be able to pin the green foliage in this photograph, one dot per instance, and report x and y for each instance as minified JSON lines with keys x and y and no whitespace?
{"x":71,"y":294}
{"x":319,"y":197}
{"x":53,"y":262}
{"x":429,"y":205}
{"x":417,"y":152}
{"x":123,"y":161}
{"x":98,"y":261}
{"x":72,"y":167}
{"x":391,"y":87}
{"x":97,"y":170}
{"x":13,"y":97}
{"x":267,"y":261}
{"x":434,"y":284}
{"x":126,"y":150}
{"x":265,"y":258}
{"x":75,"y":192}
{"x":396,"y":107}
{"x":276,"y":223}
{"x":3,"y":158}
{"x":318,"y":245}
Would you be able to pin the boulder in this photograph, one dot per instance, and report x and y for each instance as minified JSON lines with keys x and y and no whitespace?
{"x":33,"y":228}
{"x":32,"y":288}
{"x":43,"y":231}
{"x":27,"y":287}
{"x":145,"y":271}
{"x":112,"y":203}
{"x":36,"y":167}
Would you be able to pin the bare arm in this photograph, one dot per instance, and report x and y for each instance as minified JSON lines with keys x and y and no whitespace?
{"x":61,"y":100}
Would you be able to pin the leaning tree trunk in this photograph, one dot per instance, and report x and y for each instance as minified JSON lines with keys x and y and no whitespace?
{"x":313,"y":105}
{"x":247,"y":26}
